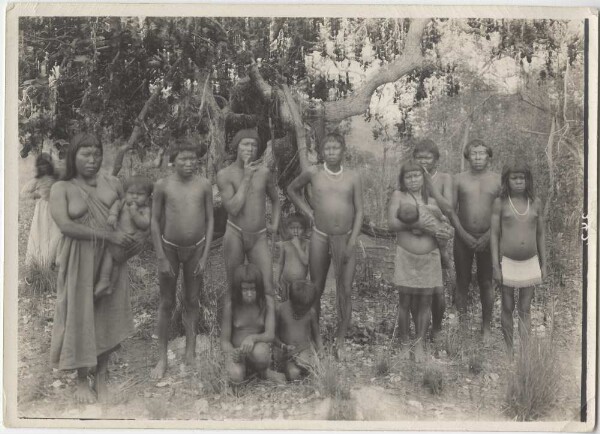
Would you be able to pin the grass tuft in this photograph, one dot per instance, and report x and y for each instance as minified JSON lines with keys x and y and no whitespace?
{"x":326,"y":378}
{"x":433,"y":379}
{"x":383,"y":364}
{"x":532,"y":390}
{"x":40,"y":277}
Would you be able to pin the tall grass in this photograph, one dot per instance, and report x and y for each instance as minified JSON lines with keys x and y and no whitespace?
{"x":40,"y":277}
{"x":533,"y":389}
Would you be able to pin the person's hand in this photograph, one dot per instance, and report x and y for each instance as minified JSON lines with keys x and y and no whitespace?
{"x":120,"y":239}
{"x":288,"y":348}
{"x":544,"y":272}
{"x":112,"y":221}
{"x":164,"y":267}
{"x":133,"y":206}
{"x":249,"y":168}
{"x":497,"y":275}
{"x":349,"y":250}
{"x":468,"y":239}
{"x":444,"y":233}
{"x":247,"y":344}
{"x":296,"y":242}
{"x":199,"y":270}
{"x":482,"y":242}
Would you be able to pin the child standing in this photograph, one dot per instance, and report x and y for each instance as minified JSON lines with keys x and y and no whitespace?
{"x":297,"y":329}
{"x":132,"y":216}
{"x":517,"y":247}
{"x":293,"y":257}
{"x":182,"y":229}
{"x":44,"y":234}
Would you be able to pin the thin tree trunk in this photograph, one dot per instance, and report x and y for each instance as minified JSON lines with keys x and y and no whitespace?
{"x":465,"y":140}
{"x":550,"y":160}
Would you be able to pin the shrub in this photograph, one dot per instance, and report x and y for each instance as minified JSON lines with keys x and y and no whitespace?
{"x":40,"y":276}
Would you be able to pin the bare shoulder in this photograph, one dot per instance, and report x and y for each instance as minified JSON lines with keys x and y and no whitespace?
{"x":160,"y":184}
{"x":537,"y":203}
{"x":113,"y":181}
{"x":224,"y":175}
{"x":59,"y":187}
{"x":446,"y":177}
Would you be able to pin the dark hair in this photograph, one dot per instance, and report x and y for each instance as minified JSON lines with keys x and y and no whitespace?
{"x":297,"y":218}
{"x":139,"y":181}
{"x":473,"y":144}
{"x":411,"y":166}
{"x":44,"y":160}
{"x":427,"y":145}
{"x":248,"y":273}
{"x":303,"y":294}
{"x":81,"y":140}
{"x":406,"y":207}
{"x":183,"y":145}
{"x":517,"y":167}
{"x":335,"y":137}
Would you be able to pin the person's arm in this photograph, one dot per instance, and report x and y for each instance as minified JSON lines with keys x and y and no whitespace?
{"x":469,"y":239}
{"x":275,"y":205}
{"x":294,"y":191}
{"x":113,"y":214}
{"x":233,"y":201}
{"x":495,"y":240}
{"x":268,"y":334}
{"x":359,"y":213}
{"x":448,"y":190}
{"x":541,"y":238}
{"x":446,"y":205}
{"x":276,"y":341}
{"x":315,"y":331}
{"x":210,"y":226}
{"x":158,"y":204}
{"x":140,"y":216}
{"x":302,"y":251}
{"x":29,"y":190}
{"x":59,"y":211}
{"x":226,"y":321}
{"x":280,"y":264}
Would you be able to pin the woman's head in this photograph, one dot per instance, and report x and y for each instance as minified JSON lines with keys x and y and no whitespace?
{"x":411,"y":178}
{"x":84,"y":156}
{"x":517,"y":179}
{"x":44,"y":166}
{"x":248,"y":285}
{"x":426,"y":153}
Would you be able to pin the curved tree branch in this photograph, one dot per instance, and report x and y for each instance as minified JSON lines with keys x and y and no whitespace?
{"x":358,"y":102}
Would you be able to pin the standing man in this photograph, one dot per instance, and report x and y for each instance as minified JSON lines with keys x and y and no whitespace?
{"x":244,"y":186}
{"x":337,"y":215}
{"x":475,"y":191}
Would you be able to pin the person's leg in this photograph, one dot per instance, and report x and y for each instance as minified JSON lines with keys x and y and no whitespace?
{"x":403,"y":322}
{"x":236,"y":371}
{"x":292,"y":371}
{"x":422,"y":324}
{"x":508,"y":306}
{"x":486,"y":291}
{"x":83,"y":393}
{"x":463,"y":261}
{"x":101,"y":378}
{"x":525,"y":297}
{"x":192,"y":286}
{"x":234,"y":256}
{"x":102,"y":287}
{"x":344,"y":301}
{"x":168,"y":289}
{"x":260,"y":255}
{"x":260,"y":358}
{"x":438,"y":307}
{"x":318,"y":263}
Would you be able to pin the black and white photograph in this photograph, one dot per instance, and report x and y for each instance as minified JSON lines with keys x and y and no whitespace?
{"x":309,"y":217}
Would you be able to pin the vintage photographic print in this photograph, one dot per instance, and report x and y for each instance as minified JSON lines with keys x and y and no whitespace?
{"x":310,"y":217}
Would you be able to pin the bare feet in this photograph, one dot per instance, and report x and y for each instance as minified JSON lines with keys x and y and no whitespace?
{"x":159,"y":370}
{"x":189,"y":358}
{"x":102,"y":390}
{"x":419,"y":353}
{"x":83,"y":394}
{"x":486,"y":334}
{"x":277,"y":377}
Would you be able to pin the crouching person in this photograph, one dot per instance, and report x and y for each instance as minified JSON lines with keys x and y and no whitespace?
{"x":248,"y":326}
{"x":298,"y":336}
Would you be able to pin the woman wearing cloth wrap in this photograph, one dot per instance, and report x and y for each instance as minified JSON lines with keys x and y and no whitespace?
{"x":86,"y":331}
{"x":418,"y":269}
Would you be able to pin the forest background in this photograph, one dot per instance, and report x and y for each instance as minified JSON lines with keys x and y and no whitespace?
{"x":141,"y":83}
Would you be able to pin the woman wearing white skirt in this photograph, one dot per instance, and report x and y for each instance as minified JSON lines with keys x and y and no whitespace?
{"x":43,"y":234}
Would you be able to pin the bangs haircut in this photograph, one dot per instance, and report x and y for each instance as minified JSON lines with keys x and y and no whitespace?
{"x":473,"y":144}
{"x":41,"y":160}
{"x":412,"y":166}
{"x":517,"y":167}
{"x":248,"y":273}
{"x":427,"y":145}
{"x":139,"y":181}
{"x":81,"y":140}
{"x":297,"y":218}
{"x":183,"y":145}
{"x":333,"y":137}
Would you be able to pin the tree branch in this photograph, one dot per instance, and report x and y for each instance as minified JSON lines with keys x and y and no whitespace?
{"x":358,"y":102}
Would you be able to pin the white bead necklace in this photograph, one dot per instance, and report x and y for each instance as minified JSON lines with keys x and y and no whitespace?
{"x":517,"y":213}
{"x":334,"y":176}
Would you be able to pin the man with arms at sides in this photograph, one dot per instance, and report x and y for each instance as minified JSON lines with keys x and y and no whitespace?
{"x":337,"y":215}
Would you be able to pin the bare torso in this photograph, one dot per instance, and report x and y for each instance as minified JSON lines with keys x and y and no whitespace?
{"x":126,"y":222}
{"x":105,"y":189}
{"x":293,"y":331}
{"x":293,"y":268}
{"x":252,"y":217}
{"x":246,"y":320}
{"x":475,"y":196}
{"x":518,"y":236}
{"x":333,"y":201}
{"x":184,"y":214}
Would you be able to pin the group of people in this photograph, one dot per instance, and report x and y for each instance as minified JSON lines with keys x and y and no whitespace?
{"x":103,"y":224}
